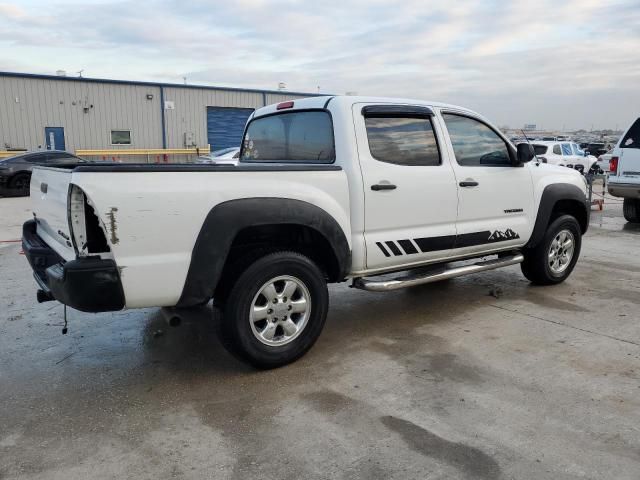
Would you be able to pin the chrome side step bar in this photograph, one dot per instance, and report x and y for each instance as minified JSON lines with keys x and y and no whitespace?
{"x":434,"y":276}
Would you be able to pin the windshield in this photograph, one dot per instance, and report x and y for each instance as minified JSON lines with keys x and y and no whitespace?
{"x":298,"y":136}
{"x":577,"y":150}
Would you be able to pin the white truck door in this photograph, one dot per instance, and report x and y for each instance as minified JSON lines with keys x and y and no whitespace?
{"x":411,"y":198}
{"x":495,"y":198}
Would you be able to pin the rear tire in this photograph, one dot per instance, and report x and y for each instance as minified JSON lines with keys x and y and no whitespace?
{"x":20,"y":183}
{"x":631,"y":210}
{"x":275,"y":310}
{"x":553,"y":259}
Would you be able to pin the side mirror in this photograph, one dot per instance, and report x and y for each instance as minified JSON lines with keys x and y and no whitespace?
{"x":525,"y":152}
{"x":587,"y":153}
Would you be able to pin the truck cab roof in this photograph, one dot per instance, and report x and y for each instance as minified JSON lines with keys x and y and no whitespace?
{"x":347,"y":101}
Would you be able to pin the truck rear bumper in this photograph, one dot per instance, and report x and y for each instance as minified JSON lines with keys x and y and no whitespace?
{"x":624,"y":190}
{"x":86,"y":284}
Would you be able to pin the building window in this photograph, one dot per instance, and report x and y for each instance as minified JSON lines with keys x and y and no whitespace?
{"x":120,"y":137}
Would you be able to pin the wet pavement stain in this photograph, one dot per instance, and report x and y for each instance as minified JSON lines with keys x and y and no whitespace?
{"x":469,"y":460}
{"x":543,"y":300}
{"x":329,"y":402}
{"x":447,"y":366}
{"x":616,"y":266}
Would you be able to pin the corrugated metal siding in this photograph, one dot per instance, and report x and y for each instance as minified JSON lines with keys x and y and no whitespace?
{"x":48,"y":102}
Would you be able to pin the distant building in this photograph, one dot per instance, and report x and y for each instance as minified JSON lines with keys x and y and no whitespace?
{"x":71,"y":113}
{"x":530,"y":127}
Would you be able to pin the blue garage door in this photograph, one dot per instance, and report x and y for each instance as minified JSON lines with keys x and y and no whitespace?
{"x":225,"y":126}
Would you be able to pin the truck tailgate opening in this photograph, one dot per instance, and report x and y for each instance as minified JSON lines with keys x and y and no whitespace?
{"x":49,"y":197}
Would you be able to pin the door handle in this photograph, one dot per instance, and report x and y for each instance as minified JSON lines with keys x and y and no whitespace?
{"x":383,"y":186}
{"x":469,"y":183}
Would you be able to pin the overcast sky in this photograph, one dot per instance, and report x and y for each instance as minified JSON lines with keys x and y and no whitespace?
{"x":573,"y":63}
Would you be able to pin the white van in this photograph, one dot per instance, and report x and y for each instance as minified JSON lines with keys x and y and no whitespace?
{"x":624,"y":175}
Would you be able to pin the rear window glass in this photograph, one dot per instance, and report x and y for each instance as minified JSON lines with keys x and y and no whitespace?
{"x":540,"y":149}
{"x":305,"y":137}
{"x":632,"y":138}
{"x":403,"y":141}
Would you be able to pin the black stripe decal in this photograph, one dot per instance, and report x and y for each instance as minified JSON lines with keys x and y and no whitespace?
{"x":384,"y":250}
{"x":433,"y":244}
{"x":407,"y":246}
{"x":447,"y":242}
{"x":394,"y":248}
{"x":472,"y":239}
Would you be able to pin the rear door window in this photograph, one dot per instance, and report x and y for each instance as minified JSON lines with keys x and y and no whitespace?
{"x":402,"y":140}
{"x":292,"y":137}
{"x":566,"y":149}
{"x":632,"y":137}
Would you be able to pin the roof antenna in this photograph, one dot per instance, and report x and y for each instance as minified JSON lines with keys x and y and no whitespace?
{"x":80,"y":73}
{"x":534,"y":148}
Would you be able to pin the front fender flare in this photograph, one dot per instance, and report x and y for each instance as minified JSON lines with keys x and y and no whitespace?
{"x":551,"y":195}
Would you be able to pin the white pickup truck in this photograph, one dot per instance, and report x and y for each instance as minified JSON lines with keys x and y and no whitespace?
{"x":328,"y":189}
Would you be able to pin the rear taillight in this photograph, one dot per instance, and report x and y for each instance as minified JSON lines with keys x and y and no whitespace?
{"x":613,"y":165}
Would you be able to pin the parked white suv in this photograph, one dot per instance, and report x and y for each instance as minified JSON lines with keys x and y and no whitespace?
{"x":565,"y":154}
{"x":624,"y":172}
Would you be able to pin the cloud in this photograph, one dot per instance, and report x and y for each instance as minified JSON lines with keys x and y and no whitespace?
{"x":11,"y":11}
{"x":507,"y":59}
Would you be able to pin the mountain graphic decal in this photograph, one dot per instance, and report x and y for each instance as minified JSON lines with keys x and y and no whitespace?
{"x":499,"y":236}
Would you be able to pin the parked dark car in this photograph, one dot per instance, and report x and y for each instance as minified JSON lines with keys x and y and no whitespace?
{"x":595,"y":148}
{"x":15,"y":172}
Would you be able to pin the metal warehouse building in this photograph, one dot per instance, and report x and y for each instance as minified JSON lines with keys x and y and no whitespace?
{"x":72,"y":113}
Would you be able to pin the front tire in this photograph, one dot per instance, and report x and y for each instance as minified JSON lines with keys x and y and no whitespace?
{"x":553,"y":259}
{"x":275,"y":310}
{"x":631,"y":210}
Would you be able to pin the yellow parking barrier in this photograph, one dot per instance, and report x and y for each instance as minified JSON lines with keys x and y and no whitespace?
{"x":153,"y":155}
{"x":5,"y":154}
{"x":146,"y":151}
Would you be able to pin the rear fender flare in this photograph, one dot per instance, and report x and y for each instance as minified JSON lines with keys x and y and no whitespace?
{"x":226,"y":219}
